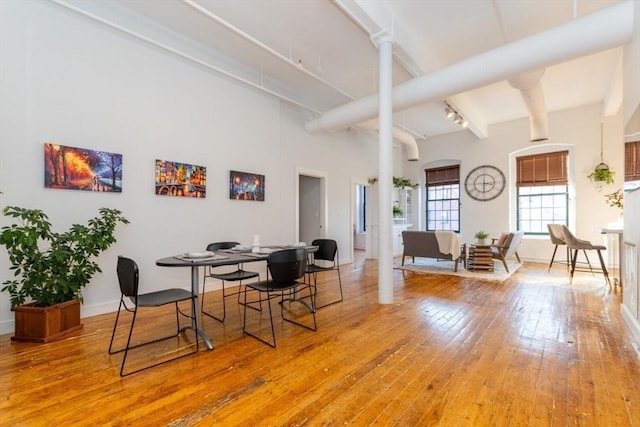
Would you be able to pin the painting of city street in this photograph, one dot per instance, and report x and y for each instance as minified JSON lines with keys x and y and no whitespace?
{"x":180,"y":179}
{"x":246,"y":186}
{"x":72,"y":168}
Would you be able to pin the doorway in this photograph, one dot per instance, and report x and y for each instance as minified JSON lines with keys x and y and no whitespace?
{"x":311,"y":215}
{"x":360,"y":218}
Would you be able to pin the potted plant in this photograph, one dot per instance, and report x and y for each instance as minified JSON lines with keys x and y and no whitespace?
{"x":481,"y":237}
{"x":397,"y":211}
{"x":51,"y":269}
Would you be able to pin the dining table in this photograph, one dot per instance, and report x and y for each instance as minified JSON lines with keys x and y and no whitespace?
{"x":195,"y":260}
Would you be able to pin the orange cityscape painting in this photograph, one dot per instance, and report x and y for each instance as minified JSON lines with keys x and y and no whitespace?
{"x":73,"y":168}
{"x":180,"y":179}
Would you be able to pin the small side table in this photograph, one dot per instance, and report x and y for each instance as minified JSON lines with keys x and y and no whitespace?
{"x":480,"y":258}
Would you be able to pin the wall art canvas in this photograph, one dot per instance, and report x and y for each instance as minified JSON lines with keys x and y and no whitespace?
{"x":75,"y":168}
{"x":246,"y":186}
{"x":180,"y":179}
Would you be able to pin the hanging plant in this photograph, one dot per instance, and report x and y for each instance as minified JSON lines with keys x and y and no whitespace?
{"x":373,"y":180}
{"x":403,"y":182}
{"x":602,"y":175}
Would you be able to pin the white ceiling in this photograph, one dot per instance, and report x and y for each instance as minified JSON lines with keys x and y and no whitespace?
{"x":261,"y":41}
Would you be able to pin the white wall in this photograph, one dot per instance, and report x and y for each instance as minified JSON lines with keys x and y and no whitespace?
{"x":577,"y":130}
{"x":69,"y":80}
{"x":631,"y":70}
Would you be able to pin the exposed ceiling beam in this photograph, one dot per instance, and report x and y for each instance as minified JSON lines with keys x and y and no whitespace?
{"x":608,"y":28}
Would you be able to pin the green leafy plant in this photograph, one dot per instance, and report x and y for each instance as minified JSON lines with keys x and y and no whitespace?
{"x":51,"y":267}
{"x":402,"y":182}
{"x":602,"y":175}
{"x":397,"y":211}
{"x":481,"y":235}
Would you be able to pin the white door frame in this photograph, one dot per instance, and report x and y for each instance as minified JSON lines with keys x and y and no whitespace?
{"x":354,"y":182}
{"x":324,"y":211}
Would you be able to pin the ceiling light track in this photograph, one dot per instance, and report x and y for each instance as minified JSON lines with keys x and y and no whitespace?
{"x":453,"y":114}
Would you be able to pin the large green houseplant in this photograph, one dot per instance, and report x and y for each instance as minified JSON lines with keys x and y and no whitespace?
{"x":51,"y":267}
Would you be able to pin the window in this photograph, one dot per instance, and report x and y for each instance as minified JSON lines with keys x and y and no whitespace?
{"x":632,"y":161}
{"x":443,"y":198}
{"x":542,"y":191}
{"x":361,"y":208}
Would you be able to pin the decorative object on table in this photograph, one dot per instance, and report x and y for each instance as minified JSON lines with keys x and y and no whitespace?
{"x":485,"y":183}
{"x":246,"y":186}
{"x":615,"y":199}
{"x":481,"y":237}
{"x":72,"y":168}
{"x":52,"y":268}
{"x":180,"y":179}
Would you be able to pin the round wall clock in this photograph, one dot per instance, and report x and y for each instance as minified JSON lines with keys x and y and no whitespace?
{"x":485,"y":183}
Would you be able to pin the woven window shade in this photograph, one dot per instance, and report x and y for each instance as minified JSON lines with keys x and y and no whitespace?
{"x":632,"y":161}
{"x":542,"y":169}
{"x":443,"y":176}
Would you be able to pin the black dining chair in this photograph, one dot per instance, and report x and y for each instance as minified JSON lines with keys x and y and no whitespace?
{"x":129,"y":279}
{"x":285,"y":269}
{"x":325,"y":259}
{"x":237,"y":275}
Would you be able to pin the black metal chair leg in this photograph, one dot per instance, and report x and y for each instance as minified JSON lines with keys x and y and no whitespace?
{"x":552,"y":258}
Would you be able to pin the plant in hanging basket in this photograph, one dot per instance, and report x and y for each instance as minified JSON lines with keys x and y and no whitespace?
{"x":402,"y":182}
{"x":602,"y":175}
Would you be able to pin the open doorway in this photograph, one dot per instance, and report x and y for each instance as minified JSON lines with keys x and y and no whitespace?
{"x":311,"y":215}
{"x":360,"y":218}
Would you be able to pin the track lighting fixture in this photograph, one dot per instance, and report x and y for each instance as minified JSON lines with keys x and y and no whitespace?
{"x":454,"y":115}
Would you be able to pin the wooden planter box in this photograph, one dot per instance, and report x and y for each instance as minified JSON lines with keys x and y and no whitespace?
{"x":44,"y":324}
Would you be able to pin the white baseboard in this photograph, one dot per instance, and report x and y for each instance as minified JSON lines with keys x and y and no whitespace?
{"x":633,"y":324}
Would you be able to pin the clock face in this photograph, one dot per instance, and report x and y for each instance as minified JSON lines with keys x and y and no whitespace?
{"x":485,"y":183}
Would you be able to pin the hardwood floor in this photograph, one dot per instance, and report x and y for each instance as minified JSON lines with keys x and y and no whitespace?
{"x":530,"y":351}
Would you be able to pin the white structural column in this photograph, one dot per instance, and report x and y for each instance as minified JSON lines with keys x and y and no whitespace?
{"x":385,"y":172}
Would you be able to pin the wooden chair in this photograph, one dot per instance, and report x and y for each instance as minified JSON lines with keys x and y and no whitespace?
{"x":506,"y":247}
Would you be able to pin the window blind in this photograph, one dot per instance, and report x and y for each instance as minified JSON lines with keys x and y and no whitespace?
{"x":542,"y":169}
{"x":443,"y":175}
{"x":632,"y":161}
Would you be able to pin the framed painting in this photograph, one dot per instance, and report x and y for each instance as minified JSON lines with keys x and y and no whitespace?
{"x":73,"y":168}
{"x":246,"y":186}
{"x":180,"y":179}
